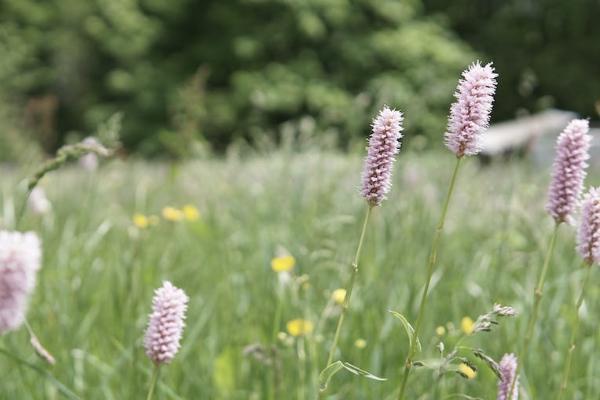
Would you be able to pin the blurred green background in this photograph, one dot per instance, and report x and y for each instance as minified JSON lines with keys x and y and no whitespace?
{"x":195,"y":76}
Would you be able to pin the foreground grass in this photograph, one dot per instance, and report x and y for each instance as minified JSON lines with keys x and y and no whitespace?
{"x":95,"y":288}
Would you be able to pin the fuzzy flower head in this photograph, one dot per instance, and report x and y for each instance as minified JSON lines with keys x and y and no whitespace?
{"x":384,"y":144}
{"x":20,"y":259}
{"x":588,"y":236}
{"x":165,"y":326}
{"x":470,"y":113}
{"x":508,"y":370}
{"x":568,"y":170}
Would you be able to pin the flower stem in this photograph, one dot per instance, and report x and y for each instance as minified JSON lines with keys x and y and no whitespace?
{"x":153,"y":381}
{"x":430,"y":268}
{"x":537,"y":298}
{"x":349,"y":287}
{"x":537,"y":294}
{"x":571,"y":349}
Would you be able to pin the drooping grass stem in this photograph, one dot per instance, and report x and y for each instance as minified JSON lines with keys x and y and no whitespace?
{"x":571,"y":349}
{"x":430,"y":268}
{"x":153,"y":381}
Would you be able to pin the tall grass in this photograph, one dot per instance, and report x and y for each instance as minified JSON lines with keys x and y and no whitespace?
{"x":95,"y":287}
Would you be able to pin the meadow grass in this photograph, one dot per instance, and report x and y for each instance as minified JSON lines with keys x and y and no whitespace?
{"x":99,"y":272}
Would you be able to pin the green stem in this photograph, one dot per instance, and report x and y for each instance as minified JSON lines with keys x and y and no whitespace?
{"x":571,"y":349}
{"x":430,"y":268}
{"x":349,"y":288}
{"x":153,"y":381}
{"x":537,"y":298}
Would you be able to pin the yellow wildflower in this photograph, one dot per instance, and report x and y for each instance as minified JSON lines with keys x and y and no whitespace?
{"x":360,"y":343}
{"x":467,"y":325}
{"x":140,"y":221}
{"x":466,"y":371}
{"x":440,"y":331}
{"x":172,"y":214}
{"x":299,"y":327}
{"x":339,"y":295}
{"x":190,"y":213}
{"x":283,"y":263}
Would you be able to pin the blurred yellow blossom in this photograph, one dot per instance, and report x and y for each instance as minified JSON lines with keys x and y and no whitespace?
{"x":140,"y":221}
{"x":172,"y":214}
{"x":440,"y":331}
{"x":283,"y":263}
{"x":339,"y":295}
{"x":467,"y":325}
{"x":299,"y":327}
{"x":360,"y":343}
{"x":466,"y":371}
{"x":190,"y":213}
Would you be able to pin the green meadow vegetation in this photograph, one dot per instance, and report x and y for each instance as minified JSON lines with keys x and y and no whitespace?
{"x":297,"y":210}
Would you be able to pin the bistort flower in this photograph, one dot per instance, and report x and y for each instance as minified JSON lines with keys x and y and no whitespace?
{"x":568,"y":170}
{"x":20,"y":259}
{"x":470,"y":113}
{"x":166,"y":322}
{"x":384,"y":144}
{"x":588,"y":236}
{"x":508,"y":370}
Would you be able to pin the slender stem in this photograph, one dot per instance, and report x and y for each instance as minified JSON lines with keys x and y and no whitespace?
{"x":349,"y":288}
{"x":430,"y":268}
{"x":537,"y":298}
{"x":571,"y":348}
{"x":153,"y":381}
{"x":538,"y":293}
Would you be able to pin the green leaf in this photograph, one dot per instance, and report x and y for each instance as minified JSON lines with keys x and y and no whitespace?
{"x":327,"y":373}
{"x":361,"y":372}
{"x":407,"y":328}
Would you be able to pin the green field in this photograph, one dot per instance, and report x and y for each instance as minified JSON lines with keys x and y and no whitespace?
{"x":99,"y":271}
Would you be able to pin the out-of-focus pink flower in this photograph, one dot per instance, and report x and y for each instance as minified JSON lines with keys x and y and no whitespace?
{"x":20,"y":259}
{"x":568,"y":170}
{"x":588,"y":236}
{"x":165,"y":326}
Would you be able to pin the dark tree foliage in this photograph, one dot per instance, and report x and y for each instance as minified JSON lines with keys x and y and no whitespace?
{"x":223,"y":70}
{"x":547,"y":50}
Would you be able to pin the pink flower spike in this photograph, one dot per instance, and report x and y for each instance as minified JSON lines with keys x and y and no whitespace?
{"x":568,"y":170}
{"x":508,"y":370}
{"x":384,"y":144}
{"x":20,"y":259}
{"x":166,"y":322}
{"x":588,"y":236}
{"x":470,"y":113}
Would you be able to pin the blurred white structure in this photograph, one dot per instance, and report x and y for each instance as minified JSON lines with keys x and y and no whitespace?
{"x":523,"y":134}
{"x":89,"y":162}
{"x":38,"y":203}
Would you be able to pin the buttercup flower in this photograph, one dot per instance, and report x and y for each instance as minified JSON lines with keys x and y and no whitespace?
{"x":299,"y":327}
{"x":283,"y":263}
{"x":338,"y":296}
{"x":172,"y":214}
{"x":190,"y":213}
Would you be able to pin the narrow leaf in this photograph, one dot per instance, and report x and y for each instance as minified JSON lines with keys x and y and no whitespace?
{"x":327,"y":373}
{"x":361,"y":372}
{"x":407,"y":328}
